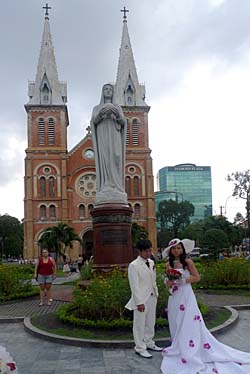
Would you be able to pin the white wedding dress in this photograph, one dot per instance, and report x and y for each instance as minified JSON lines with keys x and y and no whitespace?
{"x":7,"y":364}
{"x":194,"y":350}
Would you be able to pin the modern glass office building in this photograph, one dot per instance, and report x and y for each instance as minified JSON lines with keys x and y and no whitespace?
{"x":187,"y":182}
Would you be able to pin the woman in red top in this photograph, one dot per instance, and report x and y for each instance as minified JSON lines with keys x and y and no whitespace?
{"x":45,"y":272}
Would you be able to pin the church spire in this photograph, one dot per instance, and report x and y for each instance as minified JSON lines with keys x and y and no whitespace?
{"x":47,"y":90}
{"x":128,"y":90}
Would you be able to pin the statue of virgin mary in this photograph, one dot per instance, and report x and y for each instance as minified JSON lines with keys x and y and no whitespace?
{"x":109,"y":127}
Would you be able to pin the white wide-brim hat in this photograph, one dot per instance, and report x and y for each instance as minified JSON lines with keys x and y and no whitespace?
{"x":187,"y":243}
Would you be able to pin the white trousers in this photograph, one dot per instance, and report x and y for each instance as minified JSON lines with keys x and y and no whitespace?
{"x":144,"y":325}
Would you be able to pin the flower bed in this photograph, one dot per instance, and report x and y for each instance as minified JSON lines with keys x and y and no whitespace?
{"x":102,"y":304}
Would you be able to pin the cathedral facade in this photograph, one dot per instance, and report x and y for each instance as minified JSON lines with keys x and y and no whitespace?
{"x":60,"y":184}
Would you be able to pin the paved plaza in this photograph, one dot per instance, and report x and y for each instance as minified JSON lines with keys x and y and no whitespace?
{"x":36,"y":356}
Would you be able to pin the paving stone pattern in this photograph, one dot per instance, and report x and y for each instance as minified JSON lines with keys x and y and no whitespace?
{"x":35,"y":356}
{"x":28,"y":308}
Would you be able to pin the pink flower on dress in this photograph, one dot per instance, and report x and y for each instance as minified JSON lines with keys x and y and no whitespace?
{"x":197,"y":318}
{"x":182,"y":307}
{"x":183,"y":360}
{"x":206,"y":346}
{"x":191,"y":343}
{"x":165,"y":350}
{"x":214,"y":371}
{"x":175,"y":288}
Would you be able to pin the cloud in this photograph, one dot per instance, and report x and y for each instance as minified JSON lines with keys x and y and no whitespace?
{"x":11,"y":158}
{"x":193,"y":56}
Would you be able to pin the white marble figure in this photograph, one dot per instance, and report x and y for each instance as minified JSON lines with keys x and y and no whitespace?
{"x":109,"y":126}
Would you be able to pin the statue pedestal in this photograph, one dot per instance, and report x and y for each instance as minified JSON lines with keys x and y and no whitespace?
{"x":112,"y":236}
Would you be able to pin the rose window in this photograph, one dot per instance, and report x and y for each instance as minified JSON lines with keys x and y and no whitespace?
{"x":86,"y":185}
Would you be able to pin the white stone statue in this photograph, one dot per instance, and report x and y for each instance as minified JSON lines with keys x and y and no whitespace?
{"x":109,"y":127}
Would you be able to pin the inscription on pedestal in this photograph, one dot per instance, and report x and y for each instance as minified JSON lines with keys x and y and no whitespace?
{"x":114,"y":237}
{"x":114,"y":218}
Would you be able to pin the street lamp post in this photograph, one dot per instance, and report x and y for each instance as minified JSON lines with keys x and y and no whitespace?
{"x":225,"y":206}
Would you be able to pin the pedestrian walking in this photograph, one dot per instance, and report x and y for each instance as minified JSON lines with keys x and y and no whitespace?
{"x":45,"y":272}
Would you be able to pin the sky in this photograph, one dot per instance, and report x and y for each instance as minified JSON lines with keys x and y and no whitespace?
{"x":192,"y":55}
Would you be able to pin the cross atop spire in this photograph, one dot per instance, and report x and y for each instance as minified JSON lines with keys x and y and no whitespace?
{"x":124,"y":11}
{"x":88,"y":130}
{"x":46,"y":7}
{"x":47,"y":89}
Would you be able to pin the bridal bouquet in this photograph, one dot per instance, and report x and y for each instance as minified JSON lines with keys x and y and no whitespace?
{"x":173,"y":274}
{"x":7,"y":365}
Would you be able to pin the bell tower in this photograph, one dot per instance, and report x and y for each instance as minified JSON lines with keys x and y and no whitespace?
{"x":130,"y":95}
{"x":45,"y":201}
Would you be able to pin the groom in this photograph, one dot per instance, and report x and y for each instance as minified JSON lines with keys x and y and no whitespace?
{"x":142,"y":280}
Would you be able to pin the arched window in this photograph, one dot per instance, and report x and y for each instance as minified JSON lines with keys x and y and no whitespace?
{"x":128,"y":185}
{"x":51,"y":187}
{"x":45,"y":93}
{"x":137,"y":210}
{"x":135,"y":132}
{"x":43,"y":186}
{"x":81,"y":211}
{"x":51,"y":131}
{"x":136,"y":186}
{"x":43,"y":212}
{"x":90,"y":208}
{"x":130,"y":94}
{"x":52,"y":212}
{"x":41,"y":131}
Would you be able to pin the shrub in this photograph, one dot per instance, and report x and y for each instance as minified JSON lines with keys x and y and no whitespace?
{"x":86,"y":271}
{"x":227,"y":273}
{"x":104,"y":298}
{"x":13,"y":282}
{"x":102,"y":304}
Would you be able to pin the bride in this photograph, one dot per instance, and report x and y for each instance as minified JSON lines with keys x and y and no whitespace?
{"x":193,"y":348}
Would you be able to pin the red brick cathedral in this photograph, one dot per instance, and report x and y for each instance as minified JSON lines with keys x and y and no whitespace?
{"x":60,"y":184}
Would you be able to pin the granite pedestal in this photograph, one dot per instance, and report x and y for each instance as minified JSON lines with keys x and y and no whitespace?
{"x":112,"y":236}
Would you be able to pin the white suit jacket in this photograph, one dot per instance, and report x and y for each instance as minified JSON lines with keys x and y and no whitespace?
{"x":142,"y":282}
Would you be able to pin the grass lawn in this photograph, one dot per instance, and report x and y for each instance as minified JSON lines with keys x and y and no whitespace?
{"x":52,"y":324}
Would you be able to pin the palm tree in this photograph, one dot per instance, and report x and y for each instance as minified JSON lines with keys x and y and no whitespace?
{"x":58,"y":238}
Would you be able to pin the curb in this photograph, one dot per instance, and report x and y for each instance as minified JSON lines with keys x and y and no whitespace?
{"x":31,"y":329}
{"x":11,"y":319}
{"x":74,"y":341}
{"x":228,"y":323}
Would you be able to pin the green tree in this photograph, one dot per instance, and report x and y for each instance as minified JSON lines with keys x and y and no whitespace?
{"x":215,"y":240}
{"x":58,"y":238}
{"x":238,"y":218}
{"x":241,"y":181}
{"x":173,"y":215}
{"x":163,"y":238}
{"x":11,"y":236}
{"x":137,"y":232}
{"x":197,"y":230}
{"x":194,"y":231}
